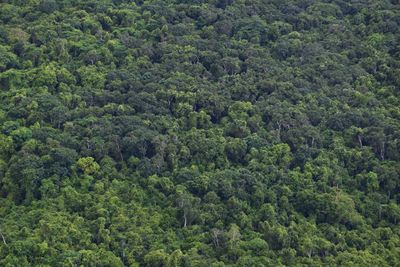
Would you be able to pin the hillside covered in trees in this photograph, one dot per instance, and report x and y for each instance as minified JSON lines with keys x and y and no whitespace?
{"x":199,"y":133}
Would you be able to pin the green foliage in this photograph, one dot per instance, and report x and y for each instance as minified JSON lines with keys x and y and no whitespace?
{"x":199,"y":133}
{"x":88,"y":165}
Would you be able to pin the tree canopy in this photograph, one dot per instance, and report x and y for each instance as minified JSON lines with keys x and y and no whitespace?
{"x":199,"y":133}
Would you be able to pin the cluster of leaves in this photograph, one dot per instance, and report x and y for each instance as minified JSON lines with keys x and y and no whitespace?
{"x":199,"y":133}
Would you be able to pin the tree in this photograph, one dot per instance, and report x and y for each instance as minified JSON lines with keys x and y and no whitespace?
{"x":187,"y":204}
{"x":155,"y":258}
{"x":88,"y":165}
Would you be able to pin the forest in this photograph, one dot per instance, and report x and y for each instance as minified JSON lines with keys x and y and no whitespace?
{"x":199,"y":133}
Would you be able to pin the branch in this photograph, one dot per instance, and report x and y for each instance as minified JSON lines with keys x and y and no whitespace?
{"x":4,"y":240}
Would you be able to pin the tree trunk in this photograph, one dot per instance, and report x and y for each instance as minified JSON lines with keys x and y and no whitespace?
{"x":360,"y":140}
{"x":184,"y":220}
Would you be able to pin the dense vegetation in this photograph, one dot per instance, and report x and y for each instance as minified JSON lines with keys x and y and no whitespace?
{"x":199,"y":133}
